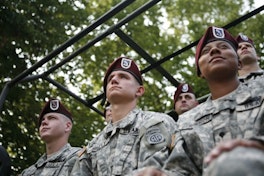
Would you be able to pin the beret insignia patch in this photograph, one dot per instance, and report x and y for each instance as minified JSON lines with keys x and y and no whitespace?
{"x":185,"y":88}
{"x":54,"y":105}
{"x":218,"y":32}
{"x":244,"y":37}
{"x":125,"y":63}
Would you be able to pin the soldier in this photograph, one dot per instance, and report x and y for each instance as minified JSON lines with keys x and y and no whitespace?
{"x":184,"y":98}
{"x":134,"y":138}
{"x":231,"y":119}
{"x":249,"y":59}
{"x":55,"y":124}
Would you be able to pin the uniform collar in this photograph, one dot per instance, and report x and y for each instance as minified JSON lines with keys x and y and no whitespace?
{"x":127,"y":121}
{"x":251,"y":74}
{"x":56,"y":156}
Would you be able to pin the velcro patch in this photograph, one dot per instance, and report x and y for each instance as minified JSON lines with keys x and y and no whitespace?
{"x":155,"y":138}
{"x":82,"y":151}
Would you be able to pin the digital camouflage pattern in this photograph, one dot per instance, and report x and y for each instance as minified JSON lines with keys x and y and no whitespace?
{"x":60,"y":163}
{"x":141,"y":139}
{"x":252,"y":76}
{"x":250,"y":163}
{"x":239,"y":114}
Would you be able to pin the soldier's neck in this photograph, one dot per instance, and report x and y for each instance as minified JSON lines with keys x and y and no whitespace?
{"x":54,"y":146}
{"x":119,"y":111}
{"x":247,"y":69}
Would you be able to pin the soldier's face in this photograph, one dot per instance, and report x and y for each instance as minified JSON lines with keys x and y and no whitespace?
{"x":247,"y":53}
{"x":53,"y":126}
{"x":218,"y":58}
{"x":122,"y":87}
{"x":185,"y":102}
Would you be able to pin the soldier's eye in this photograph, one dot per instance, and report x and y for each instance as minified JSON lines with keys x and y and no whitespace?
{"x":205,"y":51}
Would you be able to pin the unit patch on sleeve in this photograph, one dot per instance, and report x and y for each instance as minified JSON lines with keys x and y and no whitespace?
{"x":154,"y":136}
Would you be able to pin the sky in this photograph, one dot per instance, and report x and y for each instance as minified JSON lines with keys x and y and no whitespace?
{"x":258,"y":3}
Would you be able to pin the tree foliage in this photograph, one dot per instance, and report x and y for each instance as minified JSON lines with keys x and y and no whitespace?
{"x":32,"y":29}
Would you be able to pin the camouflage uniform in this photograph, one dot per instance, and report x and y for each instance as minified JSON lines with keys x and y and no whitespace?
{"x":141,"y":139}
{"x":252,"y":76}
{"x":250,"y":161}
{"x":60,"y":163}
{"x":240,"y":114}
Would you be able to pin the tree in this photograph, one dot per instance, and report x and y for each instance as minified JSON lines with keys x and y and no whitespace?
{"x":29,"y":30}
{"x":32,"y":29}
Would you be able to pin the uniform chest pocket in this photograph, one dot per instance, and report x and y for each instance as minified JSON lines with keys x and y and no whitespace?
{"x":110,"y":158}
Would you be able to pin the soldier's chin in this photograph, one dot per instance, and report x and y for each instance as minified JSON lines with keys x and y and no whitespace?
{"x":45,"y":137}
{"x":184,"y":110}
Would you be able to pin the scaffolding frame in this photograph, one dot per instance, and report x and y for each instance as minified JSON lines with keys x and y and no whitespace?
{"x":26,"y":76}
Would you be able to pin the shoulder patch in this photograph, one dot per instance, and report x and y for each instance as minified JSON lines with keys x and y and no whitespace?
{"x":82,"y":151}
{"x":154,"y":136}
{"x":173,"y":140}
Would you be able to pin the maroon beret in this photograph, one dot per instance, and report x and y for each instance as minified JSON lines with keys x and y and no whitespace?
{"x":182,"y":88}
{"x":243,"y":38}
{"x":54,"y":105}
{"x":124,"y":64}
{"x":212,"y":34}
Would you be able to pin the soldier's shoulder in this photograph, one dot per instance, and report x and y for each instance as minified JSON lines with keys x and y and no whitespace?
{"x":154,"y":114}
{"x":255,"y":82}
{"x":73,"y":151}
{"x":151,"y":118}
{"x":28,"y":171}
{"x":82,"y":151}
{"x":190,"y":115}
{"x":254,"y":87}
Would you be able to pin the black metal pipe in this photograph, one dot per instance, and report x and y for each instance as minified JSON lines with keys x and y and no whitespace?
{"x":103,"y":35}
{"x":72,"y":40}
{"x":88,"y":103}
{"x":145,"y":55}
{"x":62,"y":47}
{"x":233,"y":23}
{"x":4,"y":94}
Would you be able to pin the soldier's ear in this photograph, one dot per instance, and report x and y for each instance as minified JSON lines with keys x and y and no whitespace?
{"x":140,"y":91}
{"x":201,"y":75}
{"x":68,"y":126}
{"x":258,"y":58}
